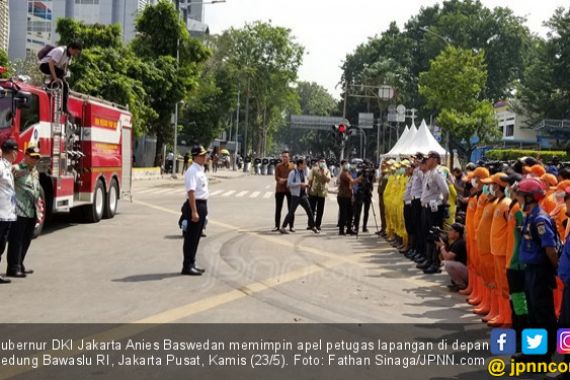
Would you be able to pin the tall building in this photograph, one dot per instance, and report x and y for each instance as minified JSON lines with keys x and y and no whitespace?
{"x":4,"y":25}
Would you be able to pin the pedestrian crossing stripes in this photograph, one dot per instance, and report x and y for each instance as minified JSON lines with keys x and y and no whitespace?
{"x":220,"y":193}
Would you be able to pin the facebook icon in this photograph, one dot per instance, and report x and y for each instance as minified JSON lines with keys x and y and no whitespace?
{"x":503,"y":341}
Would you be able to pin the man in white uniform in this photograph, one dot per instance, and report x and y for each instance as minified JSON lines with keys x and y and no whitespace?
{"x":196,"y":184}
{"x":7,"y":194}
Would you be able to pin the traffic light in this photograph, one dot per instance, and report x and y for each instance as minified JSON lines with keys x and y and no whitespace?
{"x":341,"y":132}
{"x":342,"y":129}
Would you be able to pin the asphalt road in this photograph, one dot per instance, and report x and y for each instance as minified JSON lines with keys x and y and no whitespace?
{"x":127,"y":269}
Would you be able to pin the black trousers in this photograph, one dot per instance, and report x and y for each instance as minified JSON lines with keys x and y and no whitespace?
{"x":431,"y":219}
{"x":19,"y":240}
{"x":382,"y":211}
{"x":540,"y":282}
{"x":358,"y":204}
{"x":318,"y":207}
{"x":279,"y":206}
{"x":4,"y":234}
{"x":44,"y":68}
{"x":302,"y":201}
{"x":345,"y":218}
{"x":193,"y":234}
{"x":516,"y":280}
{"x":419,"y":238}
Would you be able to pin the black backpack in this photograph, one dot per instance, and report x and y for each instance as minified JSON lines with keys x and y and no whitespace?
{"x":45,"y":51}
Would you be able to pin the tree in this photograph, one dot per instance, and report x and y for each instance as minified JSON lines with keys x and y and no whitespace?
{"x":544,"y":90}
{"x":264,"y":60}
{"x":454,"y":86}
{"x":161,"y":38}
{"x":5,"y":64}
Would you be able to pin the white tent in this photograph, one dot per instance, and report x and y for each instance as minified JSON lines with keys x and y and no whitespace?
{"x":402,"y":140}
{"x":423,"y":142}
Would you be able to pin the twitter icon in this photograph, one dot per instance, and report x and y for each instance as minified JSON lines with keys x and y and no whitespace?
{"x":534,"y":341}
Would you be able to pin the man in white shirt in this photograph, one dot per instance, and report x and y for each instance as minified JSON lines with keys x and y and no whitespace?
{"x":55,"y":64}
{"x":196,"y":184}
{"x":7,"y":194}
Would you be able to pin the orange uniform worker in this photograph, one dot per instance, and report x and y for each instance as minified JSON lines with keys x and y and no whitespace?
{"x":478,"y":296}
{"x":549,"y":203}
{"x":559,"y":217}
{"x":486,"y":262}
{"x":500,"y":306}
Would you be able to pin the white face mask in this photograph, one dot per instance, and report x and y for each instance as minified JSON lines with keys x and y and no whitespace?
{"x":492,"y":191}
{"x":474,"y":182}
{"x":347,"y":167}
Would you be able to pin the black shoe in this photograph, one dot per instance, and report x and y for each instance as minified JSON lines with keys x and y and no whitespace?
{"x":4,"y":280}
{"x":284,"y":231}
{"x":341,"y":233}
{"x":16,"y":274}
{"x":200,"y":270}
{"x":292,"y":230}
{"x":453,"y":288}
{"x":191,"y":272}
{"x":365,"y":230}
{"x":419,"y":258}
{"x":28,"y":271}
{"x":203,"y":234}
{"x":309,"y":228}
{"x":350,"y":232}
{"x":432,"y":269}
{"x":424,"y":264}
{"x":275,"y":229}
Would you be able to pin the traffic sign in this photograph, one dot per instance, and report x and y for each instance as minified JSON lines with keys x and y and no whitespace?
{"x":366,"y":120}
{"x":316,"y":122}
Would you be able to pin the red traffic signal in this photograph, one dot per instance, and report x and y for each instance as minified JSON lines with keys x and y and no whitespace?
{"x":341,"y":128}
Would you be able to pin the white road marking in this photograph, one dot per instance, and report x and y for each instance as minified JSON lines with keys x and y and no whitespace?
{"x":144,"y":191}
{"x":267,"y":194}
{"x":213,"y":193}
{"x":162,"y":191}
{"x":228,"y":193}
{"x":255,"y":194}
{"x":267,"y":187}
{"x":242,"y":194}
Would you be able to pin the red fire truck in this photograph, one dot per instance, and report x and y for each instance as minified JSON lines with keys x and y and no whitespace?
{"x":86,"y":156}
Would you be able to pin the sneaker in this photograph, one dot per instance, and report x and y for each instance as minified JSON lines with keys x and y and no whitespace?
{"x":315,"y":230}
{"x":292,"y":229}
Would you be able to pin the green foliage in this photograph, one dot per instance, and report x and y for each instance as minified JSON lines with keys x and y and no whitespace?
{"x":95,"y":35}
{"x":264,"y":60}
{"x":545,"y":88}
{"x":454,"y":86}
{"x":514,"y":154}
{"x":4,"y":62}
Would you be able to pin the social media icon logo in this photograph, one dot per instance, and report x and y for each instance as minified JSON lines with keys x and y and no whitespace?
{"x":503,"y":341}
{"x":563,"y":341}
{"x":534,"y":341}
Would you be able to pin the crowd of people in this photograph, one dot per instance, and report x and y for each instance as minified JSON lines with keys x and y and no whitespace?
{"x":20,"y":194}
{"x":306,"y":183}
{"x":498,"y":229}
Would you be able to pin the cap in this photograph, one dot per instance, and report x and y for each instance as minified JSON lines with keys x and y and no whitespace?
{"x":33,"y":151}
{"x":434,"y":154}
{"x":419,"y":156}
{"x":9,"y":145}
{"x":458,"y":227}
{"x":481,"y":173}
{"x":198,"y":150}
{"x":496,"y":178}
{"x":563,"y":185}
{"x":535,"y":170}
{"x":549,"y":180}
{"x":470,"y":166}
{"x":406,"y":163}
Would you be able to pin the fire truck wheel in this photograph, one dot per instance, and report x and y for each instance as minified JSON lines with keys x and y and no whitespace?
{"x":112,"y":200}
{"x":94,"y":212}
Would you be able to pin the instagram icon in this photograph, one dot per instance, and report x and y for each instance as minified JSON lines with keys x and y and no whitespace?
{"x":563,"y":341}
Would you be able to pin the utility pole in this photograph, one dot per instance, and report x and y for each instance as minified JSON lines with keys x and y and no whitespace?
{"x":246,"y":124}
{"x":343,"y":144}
{"x":237,"y":129}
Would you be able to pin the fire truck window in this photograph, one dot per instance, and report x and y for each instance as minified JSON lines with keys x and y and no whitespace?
{"x":5,"y":113}
{"x":30,"y":116}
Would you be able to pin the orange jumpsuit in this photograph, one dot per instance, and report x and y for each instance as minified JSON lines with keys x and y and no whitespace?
{"x":471,"y":231}
{"x":481,"y":203}
{"x":499,"y":242}
{"x":511,"y":225}
{"x":487,"y":264}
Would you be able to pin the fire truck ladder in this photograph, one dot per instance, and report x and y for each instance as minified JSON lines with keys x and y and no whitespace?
{"x":56,"y":100}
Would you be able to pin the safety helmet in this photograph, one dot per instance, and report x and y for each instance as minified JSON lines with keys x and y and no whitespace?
{"x":532,"y":187}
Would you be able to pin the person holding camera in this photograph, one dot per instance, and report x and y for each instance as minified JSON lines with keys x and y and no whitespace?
{"x":298,"y":183}
{"x":434,"y":200}
{"x":454,"y":256}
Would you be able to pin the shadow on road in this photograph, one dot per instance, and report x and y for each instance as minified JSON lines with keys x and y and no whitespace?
{"x":174,"y":237}
{"x":147,"y":277}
